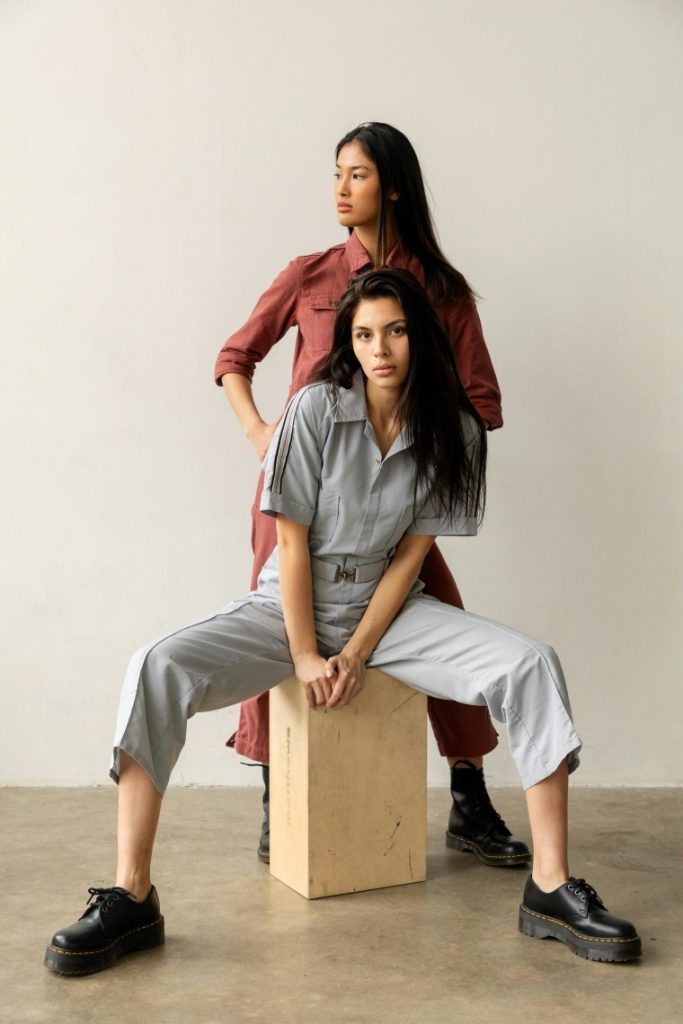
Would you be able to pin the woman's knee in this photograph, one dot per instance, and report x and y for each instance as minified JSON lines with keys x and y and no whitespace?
{"x":547,"y":654}
{"x":536,"y":664}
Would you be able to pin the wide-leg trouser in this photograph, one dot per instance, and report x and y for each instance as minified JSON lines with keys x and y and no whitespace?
{"x":460,"y":730}
{"x":435,"y":648}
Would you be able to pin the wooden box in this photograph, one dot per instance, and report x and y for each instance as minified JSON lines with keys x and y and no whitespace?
{"x":348,"y":789}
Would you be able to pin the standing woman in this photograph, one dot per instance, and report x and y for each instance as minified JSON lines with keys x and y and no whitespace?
{"x":381,"y":199}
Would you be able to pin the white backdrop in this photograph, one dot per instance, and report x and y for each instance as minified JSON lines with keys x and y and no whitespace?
{"x":162,"y":160}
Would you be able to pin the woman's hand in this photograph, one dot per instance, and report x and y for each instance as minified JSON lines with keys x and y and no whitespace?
{"x":349,"y":670}
{"x":260,"y":435}
{"x":316,"y":676}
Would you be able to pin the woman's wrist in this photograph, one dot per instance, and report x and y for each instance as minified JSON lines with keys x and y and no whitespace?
{"x":307,"y":652}
{"x":356,"y":650}
{"x":253,"y":426}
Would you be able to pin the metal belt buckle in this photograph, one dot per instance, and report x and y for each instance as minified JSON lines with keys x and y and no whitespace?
{"x":345,"y":574}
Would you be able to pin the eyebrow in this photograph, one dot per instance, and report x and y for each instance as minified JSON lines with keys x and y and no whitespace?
{"x":356,"y":167}
{"x":392,"y":323}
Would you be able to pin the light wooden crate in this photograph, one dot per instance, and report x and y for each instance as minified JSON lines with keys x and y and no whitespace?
{"x":348,"y":789}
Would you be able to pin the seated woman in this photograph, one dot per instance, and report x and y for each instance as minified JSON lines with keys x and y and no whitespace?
{"x":367,"y":467}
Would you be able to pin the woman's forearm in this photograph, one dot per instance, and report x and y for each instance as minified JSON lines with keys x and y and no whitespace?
{"x":240,"y":396}
{"x":296,"y":588}
{"x":390,"y":595}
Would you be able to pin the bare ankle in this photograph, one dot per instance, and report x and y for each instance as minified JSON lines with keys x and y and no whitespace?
{"x":137,"y":886}
{"x":549,"y":881}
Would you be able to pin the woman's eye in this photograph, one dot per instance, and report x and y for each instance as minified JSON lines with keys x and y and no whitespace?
{"x":398,"y":330}
{"x":359,"y":177}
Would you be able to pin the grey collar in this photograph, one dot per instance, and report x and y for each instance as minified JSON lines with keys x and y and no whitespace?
{"x":352,"y":407}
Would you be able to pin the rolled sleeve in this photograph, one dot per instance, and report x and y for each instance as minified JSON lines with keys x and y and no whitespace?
{"x":272,"y":317}
{"x":281,"y":504}
{"x":293,"y":464}
{"x":431,"y":523}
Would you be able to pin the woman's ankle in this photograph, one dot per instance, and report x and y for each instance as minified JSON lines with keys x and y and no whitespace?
{"x":137,"y":885}
{"x":549,"y":881}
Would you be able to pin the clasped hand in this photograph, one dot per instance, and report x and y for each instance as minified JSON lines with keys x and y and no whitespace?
{"x":333,"y":682}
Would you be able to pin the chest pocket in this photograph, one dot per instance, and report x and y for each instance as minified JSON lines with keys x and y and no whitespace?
{"x":326,"y":517}
{"x":322,"y":309}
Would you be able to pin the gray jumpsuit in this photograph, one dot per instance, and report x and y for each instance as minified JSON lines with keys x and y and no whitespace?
{"x":324,"y":469}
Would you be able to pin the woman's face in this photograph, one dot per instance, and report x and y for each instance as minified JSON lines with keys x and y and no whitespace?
{"x":356,"y":188}
{"x":380,"y":342}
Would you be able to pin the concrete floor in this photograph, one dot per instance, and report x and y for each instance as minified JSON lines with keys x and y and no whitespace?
{"x":241,"y":947}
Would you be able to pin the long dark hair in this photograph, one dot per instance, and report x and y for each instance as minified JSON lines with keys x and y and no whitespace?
{"x":399,"y":170}
{"x":450,"y":469}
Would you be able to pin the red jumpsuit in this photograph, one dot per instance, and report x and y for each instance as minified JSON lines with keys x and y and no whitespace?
{"x":305,"y":295}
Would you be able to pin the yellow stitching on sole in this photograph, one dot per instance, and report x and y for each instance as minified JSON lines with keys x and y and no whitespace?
{"x":579,"y":935}
{"x":95,"y":952}
{"x":492,"y":856}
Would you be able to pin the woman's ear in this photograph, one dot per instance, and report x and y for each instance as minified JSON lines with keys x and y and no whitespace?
{"x":393,"y":195}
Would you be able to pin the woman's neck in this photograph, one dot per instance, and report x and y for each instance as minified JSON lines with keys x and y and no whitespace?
{"x":367,"y":236}
{"x":381,"y":405}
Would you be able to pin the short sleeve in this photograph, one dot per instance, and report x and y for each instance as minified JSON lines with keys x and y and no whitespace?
{"x":293,"y":465}
{"x":432,"y":521}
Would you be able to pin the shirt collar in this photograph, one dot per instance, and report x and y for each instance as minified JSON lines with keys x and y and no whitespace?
{"x":352,"y":407}
{"x":356,"y":255}
{"x":358,"y":258}
{"x":351,"y":404}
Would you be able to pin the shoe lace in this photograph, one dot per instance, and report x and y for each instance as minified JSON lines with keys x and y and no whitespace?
{"x":584,"y":891}
{"x":491,"y":817}
{"x":101,"y":899}
{"x":483,"y":808}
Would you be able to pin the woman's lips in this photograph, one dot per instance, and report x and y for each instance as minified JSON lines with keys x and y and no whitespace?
{"x":384,"y":371}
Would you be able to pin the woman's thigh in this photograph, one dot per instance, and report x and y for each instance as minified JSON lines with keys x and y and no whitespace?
{"x":446,"y":652}
{"x":450,"y":653}
{"x":237,"y":652}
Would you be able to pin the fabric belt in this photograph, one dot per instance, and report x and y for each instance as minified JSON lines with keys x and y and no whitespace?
{"x":334,"y":573}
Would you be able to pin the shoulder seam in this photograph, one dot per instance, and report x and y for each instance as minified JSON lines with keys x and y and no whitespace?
{"x":321,"y":252}
{"x":287,"y":435}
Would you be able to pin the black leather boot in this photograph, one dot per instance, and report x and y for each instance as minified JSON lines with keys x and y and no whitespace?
{"x":113,"y":924}
{"x":576,"y":915}
{"x":474,"y":824}
{"x":264,"y":844}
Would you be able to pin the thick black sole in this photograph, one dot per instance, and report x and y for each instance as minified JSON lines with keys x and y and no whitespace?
{"x":263,"y":855}
{"x":494,"y":860}
{"x":90,"y":961}
{"x":538,"y":926}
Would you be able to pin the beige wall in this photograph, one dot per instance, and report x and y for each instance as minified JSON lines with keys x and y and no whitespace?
{"x":161,"y":162}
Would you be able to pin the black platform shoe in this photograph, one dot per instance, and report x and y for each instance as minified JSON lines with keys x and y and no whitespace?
{"x":475,"y":826}
{"x":113,"y":924}
{"x":576,"y":915}
{"x":264,"y":843}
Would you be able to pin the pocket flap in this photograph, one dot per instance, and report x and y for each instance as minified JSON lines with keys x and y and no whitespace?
{"x":323,"y":302}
